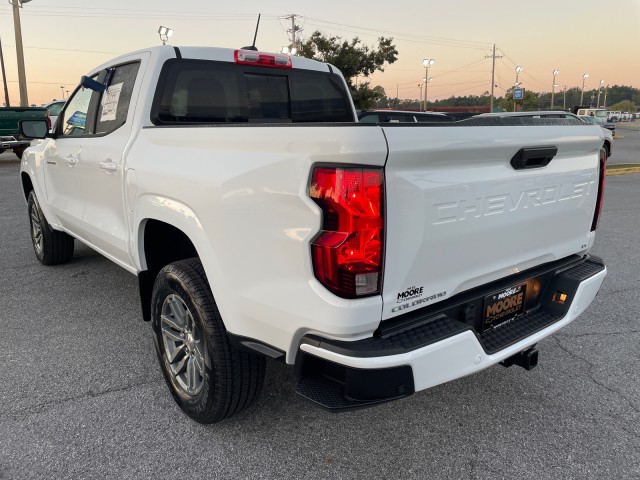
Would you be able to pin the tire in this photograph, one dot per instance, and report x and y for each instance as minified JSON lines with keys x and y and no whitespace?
{"x":19,"y":152}
{"x":50,"y":246}
{"x":209,"y":378}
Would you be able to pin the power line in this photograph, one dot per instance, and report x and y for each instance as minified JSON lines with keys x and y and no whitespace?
{"x":69,"y":50}
{"x":440,"y":75}
{"x":407,"y":37}
{"x":152,"y":16}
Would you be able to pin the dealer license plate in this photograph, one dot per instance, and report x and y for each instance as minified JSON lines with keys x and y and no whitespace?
{"x":504,"y":305}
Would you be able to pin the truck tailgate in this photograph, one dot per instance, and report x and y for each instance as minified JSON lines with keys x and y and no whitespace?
{"x":460,"y":215}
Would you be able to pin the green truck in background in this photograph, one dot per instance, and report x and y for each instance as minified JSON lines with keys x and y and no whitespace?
{"x":10,"y":138}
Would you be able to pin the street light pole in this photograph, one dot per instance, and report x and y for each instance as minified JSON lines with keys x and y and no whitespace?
{"x":427,"y":62}
{"x":518,"y":70}
{"x":605,"y":96}
{"x":165,"y":34}
{"x":553,"y":86}
{"x":584,"y":77}
{"x":599,"y":91}
{"x":426,"y":83}
{"x":22,"y":78}
{"x":564,"y":99}
{"x":62,"y":88}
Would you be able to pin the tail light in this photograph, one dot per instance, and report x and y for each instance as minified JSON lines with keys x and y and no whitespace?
{"x":347,"y":253}
{"x":48,"y":121}
{"x":602,"y":175}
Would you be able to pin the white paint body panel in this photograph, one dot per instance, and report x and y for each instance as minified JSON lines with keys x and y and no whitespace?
{"x":460,"y":216}
{"x":239,"y":192}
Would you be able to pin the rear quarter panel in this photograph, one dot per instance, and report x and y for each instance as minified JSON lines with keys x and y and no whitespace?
{"x":240,"y":194}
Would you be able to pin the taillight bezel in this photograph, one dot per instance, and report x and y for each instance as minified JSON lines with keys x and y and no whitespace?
{"x":602,"y":175}
{"x":379,"y":170}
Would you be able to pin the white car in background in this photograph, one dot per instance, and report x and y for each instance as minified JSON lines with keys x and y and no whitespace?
{"x":53,"y":110}
{"x":614,"y":116}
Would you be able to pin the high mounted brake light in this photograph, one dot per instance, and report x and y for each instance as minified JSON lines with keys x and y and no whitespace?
{"x":347,"y":253}
{"x":602,"y":172}
{"x":262,"y":59}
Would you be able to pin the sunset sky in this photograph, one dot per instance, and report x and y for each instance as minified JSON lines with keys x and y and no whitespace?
{"x":65,"y":38}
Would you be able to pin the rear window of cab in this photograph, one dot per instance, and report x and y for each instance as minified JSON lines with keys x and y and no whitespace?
{"x":204,"y":92}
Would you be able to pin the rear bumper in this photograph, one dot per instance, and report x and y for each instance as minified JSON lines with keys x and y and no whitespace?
{"x":437,"y":348}
{"x":15,"y":144}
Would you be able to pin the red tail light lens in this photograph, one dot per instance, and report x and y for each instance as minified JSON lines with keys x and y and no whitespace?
{"x":347,"y":253}
{"x":602,"y":175}
{"x":48,"y":121}
{"x":261,"y":59}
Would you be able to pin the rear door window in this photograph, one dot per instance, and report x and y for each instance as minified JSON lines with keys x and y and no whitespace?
{"x":114,"y":104}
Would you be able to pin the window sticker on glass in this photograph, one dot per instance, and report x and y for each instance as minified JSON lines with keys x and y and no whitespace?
{"x":110,"y":102}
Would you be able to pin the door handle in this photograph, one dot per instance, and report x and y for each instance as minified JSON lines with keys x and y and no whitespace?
{"x":70,"y":160}
{"x":108,"y":165}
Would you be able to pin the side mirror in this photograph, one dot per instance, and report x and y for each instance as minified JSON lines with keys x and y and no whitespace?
{"x":91,"y":84}
{"x":34,"y":128}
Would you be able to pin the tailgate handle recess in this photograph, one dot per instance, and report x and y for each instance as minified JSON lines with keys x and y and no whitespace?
{"x":533,"y":157}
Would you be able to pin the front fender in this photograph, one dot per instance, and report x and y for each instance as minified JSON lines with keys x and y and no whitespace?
{"x":32,"y":165}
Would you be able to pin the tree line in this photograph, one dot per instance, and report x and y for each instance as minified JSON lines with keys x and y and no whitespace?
{"x":357,"y":62}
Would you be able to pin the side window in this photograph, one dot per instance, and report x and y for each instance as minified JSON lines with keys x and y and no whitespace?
{"x":55,"y":108}
{"x":114,"y":106}
{"x":399,"y":118}
{"x":370,"y":118}
{"x":74,"y":121}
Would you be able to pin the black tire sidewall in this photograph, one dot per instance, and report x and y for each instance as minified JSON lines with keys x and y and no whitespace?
{"x":172,"y":281}
{"x":32,"y":205}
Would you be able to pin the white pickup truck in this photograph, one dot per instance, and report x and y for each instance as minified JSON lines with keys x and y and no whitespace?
{"x":263,"y":221}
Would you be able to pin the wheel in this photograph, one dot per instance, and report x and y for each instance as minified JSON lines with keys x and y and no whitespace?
{"x":50,"y":246}
{"x":209,"y":378}
{"x":19,"y":151}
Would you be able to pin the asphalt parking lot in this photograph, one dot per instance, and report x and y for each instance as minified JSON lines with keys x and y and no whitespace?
{"x":626,"y":145}
{"x":81,"y":395}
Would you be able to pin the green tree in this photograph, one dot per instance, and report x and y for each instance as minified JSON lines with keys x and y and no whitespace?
{"x":531,"y":101}
{"x":353,"y":59}
{"x":624,"y":106}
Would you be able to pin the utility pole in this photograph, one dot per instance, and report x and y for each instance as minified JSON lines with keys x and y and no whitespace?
{"x":4,"y":79}
{"x":493,"y":73}
{"x":294,"y":28}
{"x":22,"y":78}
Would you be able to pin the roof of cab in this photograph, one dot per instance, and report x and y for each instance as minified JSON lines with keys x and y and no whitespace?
{"x":212,"y":53}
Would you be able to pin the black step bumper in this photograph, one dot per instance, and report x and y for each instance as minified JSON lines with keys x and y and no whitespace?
{"x":443,"y":341}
